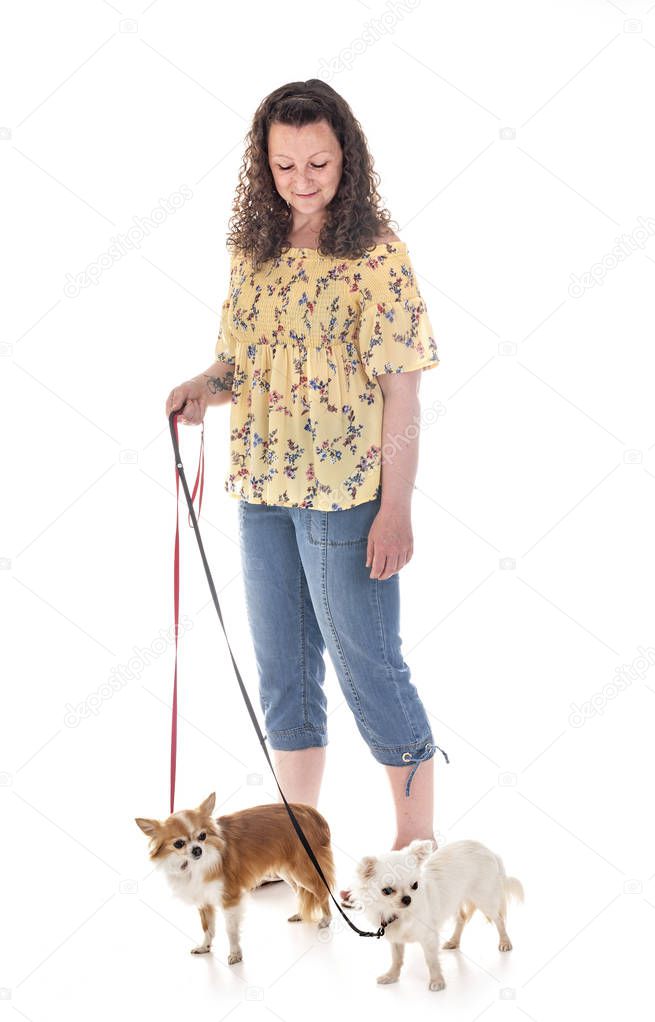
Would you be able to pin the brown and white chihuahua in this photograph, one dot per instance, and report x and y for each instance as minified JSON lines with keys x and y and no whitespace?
{"x":211,"y":862}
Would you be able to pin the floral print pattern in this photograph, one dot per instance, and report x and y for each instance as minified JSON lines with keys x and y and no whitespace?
{"x":307,"y":336}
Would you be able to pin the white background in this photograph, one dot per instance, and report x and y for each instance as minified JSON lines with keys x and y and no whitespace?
{"x":515,"y":145}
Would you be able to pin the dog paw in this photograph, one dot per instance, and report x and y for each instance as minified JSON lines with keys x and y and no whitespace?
{"x":505,"y":945}
{"x":437,"y":984}
{"x":234,"y":957}
{"x":202,"y":949}
{"x":295,"y":918}
{"x":451,"y":945}
{"x":389,"y":977}
{"x":324,"y":922}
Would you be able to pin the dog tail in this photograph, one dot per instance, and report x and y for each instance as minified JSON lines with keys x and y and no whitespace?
{"x":513,"y":888}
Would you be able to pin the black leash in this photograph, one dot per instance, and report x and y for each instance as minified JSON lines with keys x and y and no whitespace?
{"x":262,"y":738}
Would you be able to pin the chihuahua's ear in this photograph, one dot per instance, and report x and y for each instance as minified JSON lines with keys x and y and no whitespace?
{"x":366,"y":868}
{"x":420,"y":849}
{"x":149,"y":827}
{"x":206,"y":807}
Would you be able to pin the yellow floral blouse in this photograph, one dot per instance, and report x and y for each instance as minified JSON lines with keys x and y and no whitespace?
{"x":307,"y":335}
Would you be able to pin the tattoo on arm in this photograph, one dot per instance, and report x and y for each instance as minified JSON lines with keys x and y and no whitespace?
{"x":218,"y":383}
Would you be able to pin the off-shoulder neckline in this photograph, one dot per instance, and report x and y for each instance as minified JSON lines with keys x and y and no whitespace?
{"x":305,"y":248}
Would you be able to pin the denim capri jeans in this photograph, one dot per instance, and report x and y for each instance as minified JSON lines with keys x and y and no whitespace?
{"x":307,"y":587}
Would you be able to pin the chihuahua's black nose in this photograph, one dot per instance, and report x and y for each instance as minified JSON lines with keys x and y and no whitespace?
{"x":406,"y":900}
{"x":196,"y":851}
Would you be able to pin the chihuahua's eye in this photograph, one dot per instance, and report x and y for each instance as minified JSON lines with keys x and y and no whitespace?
{"x":179,"y":843}
{"x":415,"y":885}
{"x":201,"y":837}
{"x":387,"y":890}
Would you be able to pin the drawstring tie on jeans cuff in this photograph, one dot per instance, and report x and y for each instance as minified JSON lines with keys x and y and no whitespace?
{"x":408,"y":758}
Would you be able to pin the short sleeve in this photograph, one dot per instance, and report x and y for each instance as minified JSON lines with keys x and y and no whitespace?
{"x":395,"y":333}
{"x":225,"y":349}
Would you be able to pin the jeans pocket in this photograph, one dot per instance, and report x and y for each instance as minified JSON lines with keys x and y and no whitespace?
{"x":343,"y":528}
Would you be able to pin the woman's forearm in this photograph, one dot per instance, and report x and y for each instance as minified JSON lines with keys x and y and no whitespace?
{"x":400,"y":437}
{"x":216,"y":383}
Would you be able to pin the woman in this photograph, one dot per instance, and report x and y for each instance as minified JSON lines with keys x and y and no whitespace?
{"x":322,"y":342}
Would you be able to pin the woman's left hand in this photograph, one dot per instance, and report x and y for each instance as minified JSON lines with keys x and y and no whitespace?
{"x":390,"y":542}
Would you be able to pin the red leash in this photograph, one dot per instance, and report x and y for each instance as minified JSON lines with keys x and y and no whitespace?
{"x":200,"y":477}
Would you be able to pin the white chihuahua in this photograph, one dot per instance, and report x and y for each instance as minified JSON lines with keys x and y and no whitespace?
{"x":413,"y":891}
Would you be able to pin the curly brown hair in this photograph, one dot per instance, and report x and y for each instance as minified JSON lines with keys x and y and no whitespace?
{"x":261,"y":222}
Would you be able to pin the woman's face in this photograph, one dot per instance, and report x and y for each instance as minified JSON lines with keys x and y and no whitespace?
{"x":306,"y":166}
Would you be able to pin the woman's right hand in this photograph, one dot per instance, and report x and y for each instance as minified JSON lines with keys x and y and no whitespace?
{"x":190,"y":399}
